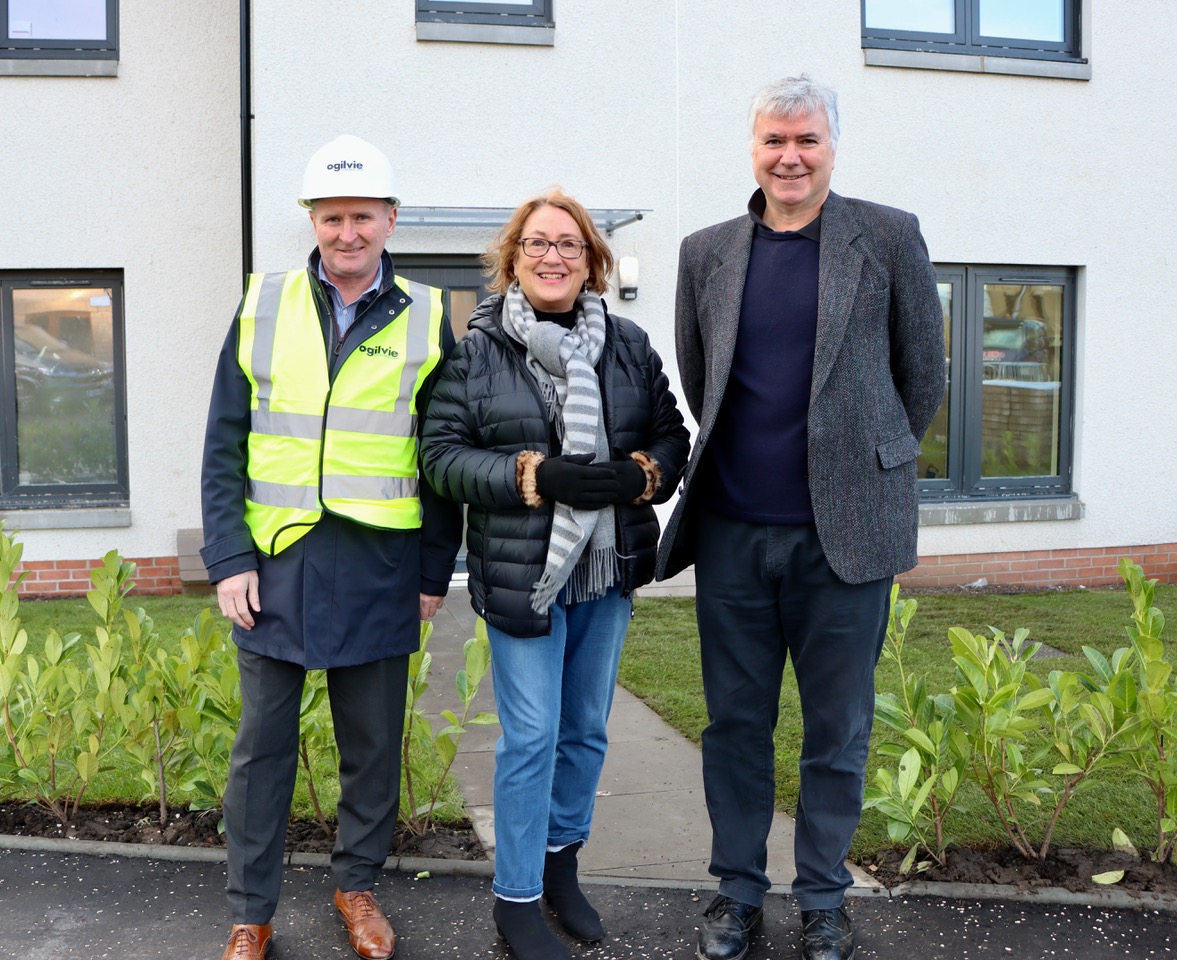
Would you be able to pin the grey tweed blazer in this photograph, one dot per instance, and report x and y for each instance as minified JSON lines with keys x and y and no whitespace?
{"x":878,"y":378}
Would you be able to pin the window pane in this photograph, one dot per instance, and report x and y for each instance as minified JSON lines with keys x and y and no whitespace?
{"x":57,"y":20}
{"x":933,"y":461}
{"x":926,"y":16}
{"x":1021,"y":353}
{"x":1023,"y":19}
{"x":65,"y":400}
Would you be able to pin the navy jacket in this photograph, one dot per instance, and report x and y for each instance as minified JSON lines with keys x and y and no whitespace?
{"x":486,"y":409}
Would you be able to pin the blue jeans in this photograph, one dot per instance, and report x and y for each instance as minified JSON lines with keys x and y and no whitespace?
{"x":553,"y":695}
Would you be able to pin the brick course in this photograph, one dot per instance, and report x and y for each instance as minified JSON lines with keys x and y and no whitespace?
{"x":1073,"y":567}
{"x":158,"y":576}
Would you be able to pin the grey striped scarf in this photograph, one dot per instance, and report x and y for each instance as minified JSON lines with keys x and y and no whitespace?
{"x":563,"y":363}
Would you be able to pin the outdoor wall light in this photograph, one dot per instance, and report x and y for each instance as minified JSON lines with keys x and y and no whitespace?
{"x":627,"y":277}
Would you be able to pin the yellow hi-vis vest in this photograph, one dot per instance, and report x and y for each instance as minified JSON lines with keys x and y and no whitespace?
{"x":348,"y":447}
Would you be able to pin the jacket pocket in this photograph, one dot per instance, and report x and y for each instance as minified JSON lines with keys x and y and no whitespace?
{"x":897,"y":451}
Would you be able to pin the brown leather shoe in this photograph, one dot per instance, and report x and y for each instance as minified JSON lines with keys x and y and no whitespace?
{"x":248,"y":941}
{"x":368,"y":930}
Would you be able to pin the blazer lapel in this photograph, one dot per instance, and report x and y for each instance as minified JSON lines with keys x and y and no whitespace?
{"x":838,"y":272}
{"x":725,"y":294}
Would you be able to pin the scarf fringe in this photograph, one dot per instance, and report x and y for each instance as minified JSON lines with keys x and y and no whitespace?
{"x":591,"y":579}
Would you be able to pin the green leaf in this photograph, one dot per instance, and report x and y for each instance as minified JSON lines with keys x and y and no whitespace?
{"x":909,"y":771}
{"x":87,"y":766}
{"x":1112,"y":876}
{"x":446,"y":749}
{"x":1035,"y":699}
{"x":1121,"y":843}
{"x":921,"y":740}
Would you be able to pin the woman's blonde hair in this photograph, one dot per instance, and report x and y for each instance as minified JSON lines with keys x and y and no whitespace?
{"x":499,"y":260}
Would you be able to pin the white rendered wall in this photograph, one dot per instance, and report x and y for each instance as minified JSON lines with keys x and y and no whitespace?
{"x":139,"y":172}
{"x":636,"y":105}
{"x":644,"y":105}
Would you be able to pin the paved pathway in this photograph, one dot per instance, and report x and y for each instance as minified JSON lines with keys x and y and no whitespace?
{"x":651,"y":819}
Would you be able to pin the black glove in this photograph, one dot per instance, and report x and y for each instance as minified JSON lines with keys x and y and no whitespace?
{"x":572,"y":480}
{"x":631,"y":479}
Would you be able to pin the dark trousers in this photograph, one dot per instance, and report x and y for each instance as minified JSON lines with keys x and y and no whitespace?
{"x":765,"y":594}
{"x":367,"y":708}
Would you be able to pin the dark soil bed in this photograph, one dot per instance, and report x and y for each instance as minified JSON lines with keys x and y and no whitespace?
{"x":198,"y":828}
{"x":1071,"y":869}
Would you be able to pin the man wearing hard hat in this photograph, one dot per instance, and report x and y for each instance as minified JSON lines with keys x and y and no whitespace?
{"x":325,"y":548}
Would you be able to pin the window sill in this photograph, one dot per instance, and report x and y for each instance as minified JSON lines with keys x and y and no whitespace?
{"x":58,"y":67}
{"x":66,"y":518}
{"x":958,"y":512}
{"x":969,"y":63}
{"x":544,"y":36}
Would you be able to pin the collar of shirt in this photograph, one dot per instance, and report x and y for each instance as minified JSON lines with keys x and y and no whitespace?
{"x":756,"y":206}
{"x":345,"y":313}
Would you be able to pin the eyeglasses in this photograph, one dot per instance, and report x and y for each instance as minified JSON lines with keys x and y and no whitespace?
{"x":538,"y":247}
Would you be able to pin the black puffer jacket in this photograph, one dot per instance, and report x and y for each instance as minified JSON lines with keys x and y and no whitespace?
{"x":486,"y":409}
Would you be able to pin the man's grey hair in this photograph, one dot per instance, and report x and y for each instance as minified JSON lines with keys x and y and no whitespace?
{"x":791,"y":97}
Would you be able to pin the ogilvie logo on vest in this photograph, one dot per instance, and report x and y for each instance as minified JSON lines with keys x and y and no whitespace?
{"x":378,"y":351}
{"x":346,"y":165}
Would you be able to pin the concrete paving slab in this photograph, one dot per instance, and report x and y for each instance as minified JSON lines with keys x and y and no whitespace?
{"x":651,"y":817}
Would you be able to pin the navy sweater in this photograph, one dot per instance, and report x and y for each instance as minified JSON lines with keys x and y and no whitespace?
{"x":756,"y":461}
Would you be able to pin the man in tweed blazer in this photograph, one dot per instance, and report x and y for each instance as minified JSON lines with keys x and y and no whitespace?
{"x":811,"y":351}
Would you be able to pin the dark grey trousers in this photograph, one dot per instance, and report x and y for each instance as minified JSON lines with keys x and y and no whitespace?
{"x":367,"y":708}
{"x":765,"y":594}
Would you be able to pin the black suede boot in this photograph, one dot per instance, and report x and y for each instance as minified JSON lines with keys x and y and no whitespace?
{"x":522,"y":926}
{"x":563,"y":895}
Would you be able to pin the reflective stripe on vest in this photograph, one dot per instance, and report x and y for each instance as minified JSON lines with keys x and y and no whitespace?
{"x":348,"y":446}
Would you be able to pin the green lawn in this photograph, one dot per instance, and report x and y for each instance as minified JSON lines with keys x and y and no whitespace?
{"x":661,"y":666}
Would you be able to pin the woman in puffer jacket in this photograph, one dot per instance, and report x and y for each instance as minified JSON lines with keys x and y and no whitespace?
{"x":554,"y":423}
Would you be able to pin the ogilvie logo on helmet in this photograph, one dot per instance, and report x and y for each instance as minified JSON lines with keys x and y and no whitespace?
{"x":346,"y":165}
{"x":378,"y":351}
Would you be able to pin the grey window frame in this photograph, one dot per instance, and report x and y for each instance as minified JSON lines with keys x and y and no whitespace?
{"x":968,"y":40}
{"x":527,"y":23}
{"x":35,"y":49}
{"x":13,"y":494}
{"x":964,"y":482}
{"x":527,"y":13}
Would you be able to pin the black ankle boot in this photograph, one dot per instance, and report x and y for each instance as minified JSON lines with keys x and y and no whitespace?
{"x":523,"y":927}
{"x":563,"y":895}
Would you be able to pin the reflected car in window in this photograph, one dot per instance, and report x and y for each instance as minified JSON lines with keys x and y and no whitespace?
{"x":1015,"y":348}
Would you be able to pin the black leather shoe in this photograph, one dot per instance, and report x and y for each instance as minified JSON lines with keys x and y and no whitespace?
{"x":826,"y":935}
{"x":727,"y":928}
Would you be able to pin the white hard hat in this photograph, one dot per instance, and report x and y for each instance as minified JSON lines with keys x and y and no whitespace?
{"x":348,"y":167}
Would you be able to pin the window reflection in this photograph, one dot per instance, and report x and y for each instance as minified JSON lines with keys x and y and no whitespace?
{"x":63,"y":353}
{"x":57,"y":19}
{"x":933,"y":461}
{"x":926,"y":16}
{"x":1020,"y":379}
{"x":1023,"y":19}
